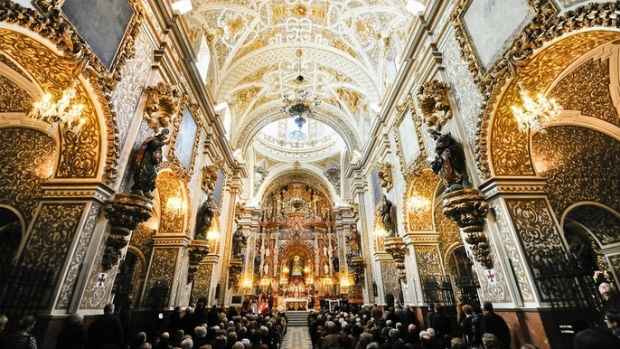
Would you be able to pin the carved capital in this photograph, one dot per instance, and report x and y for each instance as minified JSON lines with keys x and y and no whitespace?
{"x":124,"y":212}
{"x":163,"y":103}
{"x":468,"y":209}
{"x":198,"y":250}
{"x":434,"y":104}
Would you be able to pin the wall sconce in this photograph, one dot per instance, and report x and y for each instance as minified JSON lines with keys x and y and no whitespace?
{"x":418,"y":203}
{"x":532,"y":114}
{"x":175,"y":204}
{"x":213,"y":234}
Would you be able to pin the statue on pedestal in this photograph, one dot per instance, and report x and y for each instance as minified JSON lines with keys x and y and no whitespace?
{"x":239,"y":241}
{"x":387,"y":212}
{"x":204,"y":219}
{"x":146,"y":164}
{"x":449,"y":163}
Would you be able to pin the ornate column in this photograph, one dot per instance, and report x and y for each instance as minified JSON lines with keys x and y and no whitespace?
{"x":166,"y":271}
{"x":360,"y":191}
{"x":233,"y":189}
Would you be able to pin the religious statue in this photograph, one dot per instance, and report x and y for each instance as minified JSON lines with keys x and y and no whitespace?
{"x":336,"y":263}
{"x":326,"y":269}
{"x":354,"y":242}
{"x":266,"y":269}
{"x":449,"y":163}
{"x":146,"y":164}
{"x":239,"y":241}
{"x":298,"y":267}
{"x":435,"y":105}
{"x":205,"y":218}
{"x":387,"y":212}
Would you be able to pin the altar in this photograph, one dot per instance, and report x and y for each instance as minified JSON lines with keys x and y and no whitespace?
{"x":296,"y":304}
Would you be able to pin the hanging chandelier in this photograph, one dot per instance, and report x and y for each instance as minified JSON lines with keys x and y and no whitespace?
{"x":532,"y":114}
{"x":64,"y":111}
{"x":298,"y":104}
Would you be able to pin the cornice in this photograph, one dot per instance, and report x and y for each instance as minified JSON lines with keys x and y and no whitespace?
{"x":66,"y":190}
{"x":511,"y":186}
{"x":167,"y":240}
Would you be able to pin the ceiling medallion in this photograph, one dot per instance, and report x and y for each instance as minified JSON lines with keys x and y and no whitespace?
{"x":298,"y":103}
{"x":533,"y":114}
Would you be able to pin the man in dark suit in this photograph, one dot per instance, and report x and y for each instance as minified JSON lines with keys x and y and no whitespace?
{"x":106,"y":332}
{"x":495,"y":324}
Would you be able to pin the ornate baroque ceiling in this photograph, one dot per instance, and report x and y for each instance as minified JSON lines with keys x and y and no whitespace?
{"x":348,"y":52}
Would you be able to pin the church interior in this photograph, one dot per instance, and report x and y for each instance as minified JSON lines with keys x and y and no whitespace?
{"x":304,"y":174}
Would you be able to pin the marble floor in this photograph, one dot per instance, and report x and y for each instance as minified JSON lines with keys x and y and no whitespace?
{"x":297,"y":338}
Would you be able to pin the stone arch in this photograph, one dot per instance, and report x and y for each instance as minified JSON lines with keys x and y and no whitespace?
{"x":503,"y":149}
{"x":286,"y":172}
{"x":40,"y":63}
{"x":248,"y":130}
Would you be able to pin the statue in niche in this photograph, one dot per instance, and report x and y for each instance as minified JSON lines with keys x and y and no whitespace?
{"x":146,"y":164}
{"x":326,"y":269}
{"x":336,"y":263}
{"x":353,"y":240}
{"x":206,"y":212}
{"x":449,"y":163}
{"x":266,"y":269}
{"x":239,"y":241}
{"x":298,"y":268}
{"x":387,"y":212}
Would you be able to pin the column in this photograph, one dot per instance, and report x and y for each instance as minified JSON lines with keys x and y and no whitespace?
{"x":233,"y":189}
{"x":360,"y":192}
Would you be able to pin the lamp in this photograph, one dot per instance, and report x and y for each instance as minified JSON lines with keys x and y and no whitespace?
{"x":63,"y":111}
{"x":532,"y":114}
{"x":380,"y":229}
{"x":246,"y":282}
{"x":298,"y":104}
{"x":214,"y":230}
{"x":418,"y":203}
{"x":175,"y":203}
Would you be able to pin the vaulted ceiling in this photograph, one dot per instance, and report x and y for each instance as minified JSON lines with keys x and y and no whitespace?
{"x":347,"y":51}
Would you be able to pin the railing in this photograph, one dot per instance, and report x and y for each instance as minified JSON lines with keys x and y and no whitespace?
{"x":24,"y":290}
{"x":564,"y":284}
{"x":466,"y":289}
{"x":437,"y":290}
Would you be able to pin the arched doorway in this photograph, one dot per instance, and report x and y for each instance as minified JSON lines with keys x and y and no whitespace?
{"x":11,"y":232}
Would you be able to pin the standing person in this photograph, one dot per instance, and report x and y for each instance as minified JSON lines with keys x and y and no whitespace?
{"x":495,"y":324}
{"x":470,"y":326}
{"x":22,"y":338}
{"x":106,"y":332}
{"x":73,"y":334}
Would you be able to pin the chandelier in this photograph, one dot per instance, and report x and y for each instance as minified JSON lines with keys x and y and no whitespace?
{"x":298,"y":103}
{"x":63,"y":111}
{"x":534,"y":113}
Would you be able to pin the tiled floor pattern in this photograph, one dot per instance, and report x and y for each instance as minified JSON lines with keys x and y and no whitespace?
{"x":297,"y":338}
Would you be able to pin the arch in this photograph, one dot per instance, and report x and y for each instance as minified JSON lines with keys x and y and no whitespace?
{"x":601,"y":222}
{"x":424,"y":185}
{"x":174,"y":203}
{"x":280,"y":171}
{"x":49,"y":66}
{"x":504,"y":150}
{"x":247,"y":131}
{"x":8,"y":217}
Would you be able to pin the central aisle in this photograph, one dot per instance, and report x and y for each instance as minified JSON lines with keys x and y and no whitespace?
{"x":297,"y":338}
